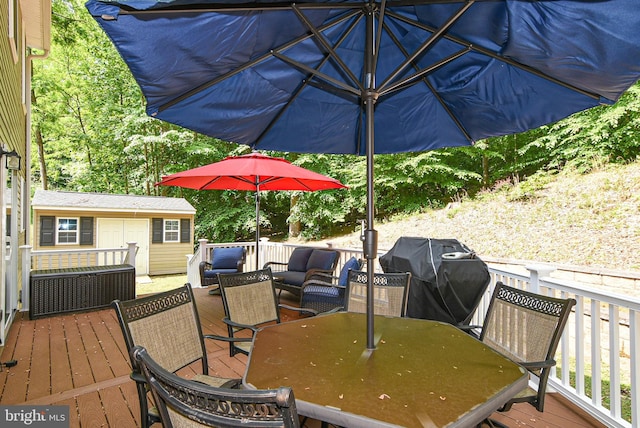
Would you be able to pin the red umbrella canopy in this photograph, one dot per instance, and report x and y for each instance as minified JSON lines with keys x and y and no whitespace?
{"x":253,"y":171}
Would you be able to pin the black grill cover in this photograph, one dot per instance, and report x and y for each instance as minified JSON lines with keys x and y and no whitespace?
{"x":441,"y":289}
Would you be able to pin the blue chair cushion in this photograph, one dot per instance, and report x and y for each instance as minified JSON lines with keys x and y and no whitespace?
{"x":226,"y":258}
{"x":299,"y":258}
{"x":292,"y":277}
{"x":351,"y":264}
{"x":322,"y":259}
{"x":317,"y":290}
{"x":213,"y":273}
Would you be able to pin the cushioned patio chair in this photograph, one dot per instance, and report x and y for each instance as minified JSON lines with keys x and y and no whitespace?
{"x":250,"y":301}
{"x":390,"y":293}
{"x":325,"y":291}
{"x":223,"y":260}
{"x":167,"y":324}
{"x":184,"y":404}
{"x":525,"y":327}
{"x":303,"y":264}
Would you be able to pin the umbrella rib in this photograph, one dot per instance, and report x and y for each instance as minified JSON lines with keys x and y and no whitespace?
{"x":414,"y":78}
{"x":306,"y":82}
{"x":435,"y":36}
{"x":499,"y":57}
{"x":316,"y":73}
{"x":376,"y":45}
{"x":430,"y":86}
{"x":320,"y":38}
{"x":248,"y":64}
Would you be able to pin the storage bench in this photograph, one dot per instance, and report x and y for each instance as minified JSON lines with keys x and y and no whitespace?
{"x":55,"y":291}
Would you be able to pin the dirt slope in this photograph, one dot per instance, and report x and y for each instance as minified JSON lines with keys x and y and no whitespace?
{"x":586,"y":220}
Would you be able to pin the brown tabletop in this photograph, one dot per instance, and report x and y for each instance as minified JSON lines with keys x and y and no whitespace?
{"x":421,"y":374}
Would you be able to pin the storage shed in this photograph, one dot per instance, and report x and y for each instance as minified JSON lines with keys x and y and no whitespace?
{"x":162,"y":227}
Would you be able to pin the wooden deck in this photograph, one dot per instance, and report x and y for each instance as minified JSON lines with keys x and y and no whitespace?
{"x":80,"y":360}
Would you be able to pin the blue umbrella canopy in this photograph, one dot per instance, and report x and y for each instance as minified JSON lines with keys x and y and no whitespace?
{"x":377,"y":76}
{"x":441,"y":73}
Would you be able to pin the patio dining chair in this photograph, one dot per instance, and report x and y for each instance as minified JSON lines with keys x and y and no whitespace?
{"x":250,"y":301}
{"x":525,"y":327}
{"x":167,"y":325}
{"x":390,"y":293}
{"x":183,"y":403}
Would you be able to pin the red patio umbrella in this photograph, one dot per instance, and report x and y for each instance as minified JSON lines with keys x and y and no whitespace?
{"x":255,"y":172}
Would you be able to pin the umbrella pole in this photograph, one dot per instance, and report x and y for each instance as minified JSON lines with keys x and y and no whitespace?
{"x":257,"y":225}
{"x":370,"y":244}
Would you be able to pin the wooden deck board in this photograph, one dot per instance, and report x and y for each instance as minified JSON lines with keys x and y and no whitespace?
{"x":61,"y":374}
{"x":80,"y":360}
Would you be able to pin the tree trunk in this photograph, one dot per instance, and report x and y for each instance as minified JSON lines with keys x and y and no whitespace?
{"x":40,"y":144}
{"x":294,"y":226}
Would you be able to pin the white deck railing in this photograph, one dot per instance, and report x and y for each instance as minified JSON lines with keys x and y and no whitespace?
{"x":598,"y":356}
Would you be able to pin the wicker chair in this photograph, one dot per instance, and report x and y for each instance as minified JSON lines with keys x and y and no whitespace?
{"x":390,"y":293}
{"x":325,"y":292}
{"x":250,"y":301}
{"x":167,"y":324}
{"x":184,"y":404}
{"x":526,"y":327}
{"x":223,"y":260}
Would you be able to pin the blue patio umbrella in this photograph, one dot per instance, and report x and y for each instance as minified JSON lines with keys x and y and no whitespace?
{"x":374,"y":76}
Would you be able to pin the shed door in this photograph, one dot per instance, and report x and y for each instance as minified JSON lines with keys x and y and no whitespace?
{"x":115,"y":233}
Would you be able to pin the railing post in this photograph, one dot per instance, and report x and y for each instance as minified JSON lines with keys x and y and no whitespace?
{"x":26,"y":274}
{"x":535,"y":273}
{"x":131,"y":255}
{"x":204,"y":257}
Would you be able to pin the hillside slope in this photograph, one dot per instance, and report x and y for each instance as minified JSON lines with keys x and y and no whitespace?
{"x":585,"y":220}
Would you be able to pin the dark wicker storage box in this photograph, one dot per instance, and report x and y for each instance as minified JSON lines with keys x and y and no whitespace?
{"x":55,"y":291}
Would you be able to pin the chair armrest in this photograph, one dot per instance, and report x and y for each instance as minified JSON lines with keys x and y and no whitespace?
{"x":320,"y":283}
{"x":533,"y":365}
{"x":313,"y":273}
{"x":138,"y":377}
{"x":269,"y":264}
{"x":227,"y":339}
{"x":318,"y":276}
{"x":202,"y":267}
{"x":311,"y":312}
{"x":240,"y":326}
{"x":472,"y":330}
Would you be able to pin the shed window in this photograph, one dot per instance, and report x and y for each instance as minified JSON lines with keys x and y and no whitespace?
{"x":171,"y":231}
{"x":67,"y":232}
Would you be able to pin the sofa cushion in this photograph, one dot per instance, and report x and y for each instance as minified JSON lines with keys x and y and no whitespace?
{"x":351,"y":264}
{"x":226,"y":258}
{"x":299,"y":258}
{"x":291,"y":277}
{"x":322,"y":259}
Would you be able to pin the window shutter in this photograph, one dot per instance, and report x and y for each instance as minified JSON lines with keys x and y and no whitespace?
{"x":185,"y":230}
{"x":156,"y":235}
{"x":86,"y":230}
{"x":47,"y":231}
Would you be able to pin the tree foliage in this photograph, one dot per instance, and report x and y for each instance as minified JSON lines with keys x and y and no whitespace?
{"x":88,"y":115}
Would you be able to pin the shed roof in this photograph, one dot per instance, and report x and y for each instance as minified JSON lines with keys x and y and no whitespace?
{"x":76,"y":201}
